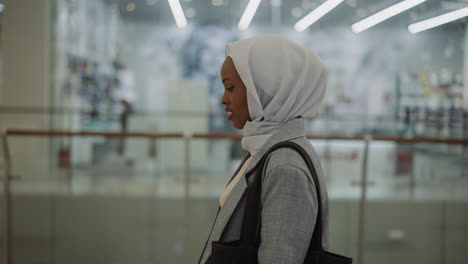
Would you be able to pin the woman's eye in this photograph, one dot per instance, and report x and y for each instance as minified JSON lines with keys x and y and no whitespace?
{"x":230,"y":88}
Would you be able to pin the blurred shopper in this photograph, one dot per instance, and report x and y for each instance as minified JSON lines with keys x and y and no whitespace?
{"x":126,"y":111}
{"x":125,"y":95}
{"x":271,"y":86}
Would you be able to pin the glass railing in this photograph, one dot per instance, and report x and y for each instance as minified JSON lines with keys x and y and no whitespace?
{"x":95,"y":197}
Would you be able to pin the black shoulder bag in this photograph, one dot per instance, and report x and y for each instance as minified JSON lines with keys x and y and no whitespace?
{"x":245,"y":250}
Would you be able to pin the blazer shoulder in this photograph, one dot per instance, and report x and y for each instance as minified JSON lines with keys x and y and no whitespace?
{"x":287,"y":157}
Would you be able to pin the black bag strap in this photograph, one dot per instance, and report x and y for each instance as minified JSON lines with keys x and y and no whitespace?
{"x":250,"y":234}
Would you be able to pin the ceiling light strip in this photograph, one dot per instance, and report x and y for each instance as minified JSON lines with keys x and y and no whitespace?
{"x":384,"y":15}
{"x":178,"y":13}
{"x":316,"y":14}
{"x":438,"y":20}
{"x":248,"y":14}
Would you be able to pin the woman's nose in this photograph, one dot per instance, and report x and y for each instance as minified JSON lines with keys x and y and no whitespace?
{"x":224,"y":99}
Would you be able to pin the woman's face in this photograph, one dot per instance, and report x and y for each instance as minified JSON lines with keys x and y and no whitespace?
{"x":235,"y":96}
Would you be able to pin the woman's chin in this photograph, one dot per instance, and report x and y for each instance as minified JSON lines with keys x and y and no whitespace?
{"x":238,"y":125}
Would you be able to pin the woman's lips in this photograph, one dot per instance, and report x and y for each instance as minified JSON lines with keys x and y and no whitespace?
{"x":229,"y":115}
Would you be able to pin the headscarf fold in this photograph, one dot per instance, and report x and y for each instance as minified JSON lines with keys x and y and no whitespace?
{"x":284,"y":81}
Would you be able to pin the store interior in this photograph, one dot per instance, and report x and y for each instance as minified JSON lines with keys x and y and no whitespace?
{"x":391,"y":135}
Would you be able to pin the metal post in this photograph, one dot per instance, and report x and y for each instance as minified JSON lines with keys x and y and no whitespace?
{"x":362,"y":204}
{"x":187,"y":211}
{"x":6,"y":201}
{"x":412,"y":176}
{"x":463,"y":170}
{"x":187,"y":167}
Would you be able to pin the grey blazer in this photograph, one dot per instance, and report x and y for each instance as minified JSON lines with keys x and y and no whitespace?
{"x":289,"y":202}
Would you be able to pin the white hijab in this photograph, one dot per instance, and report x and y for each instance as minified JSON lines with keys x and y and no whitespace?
{"x":284,"y":81}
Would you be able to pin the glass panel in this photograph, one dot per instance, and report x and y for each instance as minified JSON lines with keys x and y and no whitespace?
{"x":416,"y":194}
{"x":342,"y":165}
{"x":212,"y":163}
{"x":440,"y":172}
{"x":212,"y":173}
{"x":87,"y":203}
{"x":341,"y":162}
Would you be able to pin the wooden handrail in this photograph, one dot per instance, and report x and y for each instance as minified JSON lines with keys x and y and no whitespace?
{"x":38,"y":110}
{"x":54,"y":133}
{"x":218,"y":136}
{"x":452,"y":141}
{"x":73,"y":111}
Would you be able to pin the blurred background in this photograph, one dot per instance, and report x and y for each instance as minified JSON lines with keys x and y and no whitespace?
{"x":115,"y":146}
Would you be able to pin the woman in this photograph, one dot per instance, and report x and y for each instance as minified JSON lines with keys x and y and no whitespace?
{"x":271,"y":85}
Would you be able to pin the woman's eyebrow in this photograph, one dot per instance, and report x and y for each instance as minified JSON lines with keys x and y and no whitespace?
{"x":228,"y":79}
